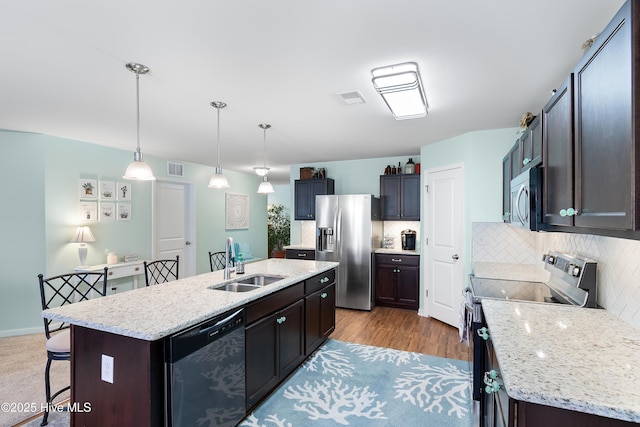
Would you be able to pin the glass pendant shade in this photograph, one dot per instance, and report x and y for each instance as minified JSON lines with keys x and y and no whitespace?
{"x":218,"y":180}
{"x":138,"y":169}
{"x":261,"y":171}
{"x":265,"y":186}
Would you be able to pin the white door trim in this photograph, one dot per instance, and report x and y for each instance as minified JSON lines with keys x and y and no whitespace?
{"x":189,"y":263}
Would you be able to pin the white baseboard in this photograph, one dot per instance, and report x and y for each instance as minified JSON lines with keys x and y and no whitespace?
{"x":24,"y":331}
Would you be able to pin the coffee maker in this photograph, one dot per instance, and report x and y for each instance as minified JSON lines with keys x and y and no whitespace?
{"x":408,"y":240}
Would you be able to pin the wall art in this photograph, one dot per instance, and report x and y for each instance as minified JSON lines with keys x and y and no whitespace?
{"x":124,"y":191}
{"x":88,"y":188}
{"x":107,"y":190}
{"x":124,"y":211}
{"x":237,"y":211}
{"x":89,"y":211}
{"x":107,"y":211}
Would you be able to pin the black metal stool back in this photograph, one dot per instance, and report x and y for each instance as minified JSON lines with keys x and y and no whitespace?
{"x":216,"y":260}
{"x":57,"y":291}
{"x":161,"y":271}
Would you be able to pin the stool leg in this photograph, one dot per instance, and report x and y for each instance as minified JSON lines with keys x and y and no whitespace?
{"x":47,"y":387}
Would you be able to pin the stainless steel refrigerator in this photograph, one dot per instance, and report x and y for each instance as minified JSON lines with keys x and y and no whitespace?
{"x":348,"y":231}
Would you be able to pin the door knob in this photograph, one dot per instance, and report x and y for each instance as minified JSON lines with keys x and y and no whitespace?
{"x":455,"y":256}
{"x":187,"y":243}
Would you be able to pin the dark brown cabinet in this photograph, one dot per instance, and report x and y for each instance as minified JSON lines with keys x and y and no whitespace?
{"x":590,"y":147}
{"x":558,"y":155}
{"x":531,"y":144}
{"x":397,"y":280}
{"x":306,"y":191}
{"x":400,"y":196}
{"x":308,"y":254}
{"x":320,"y":317}
{"x":510,"y":169}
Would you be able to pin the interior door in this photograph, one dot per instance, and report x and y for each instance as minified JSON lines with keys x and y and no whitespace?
{"x":173,"y":208}
{"x":444,"y":266}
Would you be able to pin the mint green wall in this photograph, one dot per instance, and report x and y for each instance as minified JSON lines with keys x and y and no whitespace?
{"x":351,"y":177}
{"x":481,"y":154}
{"x":40,"y":193}
{"x":22,"y":229}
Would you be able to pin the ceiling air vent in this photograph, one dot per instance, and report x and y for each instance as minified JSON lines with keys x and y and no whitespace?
{"x":175,"y":169}
{"x":352,"y":97}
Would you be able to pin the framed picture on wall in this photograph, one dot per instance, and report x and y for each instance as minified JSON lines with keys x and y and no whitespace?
{"x":107,"y":211}
{"x":88,"y":188}
{"x":107,"y":190}
{"x":89,"y":211}
{"x":124,"y":191}
{"x":124,"y":212}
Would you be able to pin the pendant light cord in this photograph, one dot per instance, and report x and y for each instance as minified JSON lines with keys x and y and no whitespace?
{"x":137,"y":111}
{"x":218,"y":140}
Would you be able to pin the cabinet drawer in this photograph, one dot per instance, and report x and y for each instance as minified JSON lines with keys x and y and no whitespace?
{"x":319,"y":281}
{"x":274,"y":302}
{"x":397,"y":259}
{"x":124,"y":271}
{"x":308,"y":254}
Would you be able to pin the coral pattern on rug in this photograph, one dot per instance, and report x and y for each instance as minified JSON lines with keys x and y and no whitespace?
{"x":344,"y":384}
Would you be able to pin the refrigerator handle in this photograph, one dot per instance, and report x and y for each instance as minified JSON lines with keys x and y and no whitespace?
{"x":338,"y":233}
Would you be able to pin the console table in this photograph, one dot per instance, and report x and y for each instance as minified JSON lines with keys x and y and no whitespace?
{"x":117,"y":271}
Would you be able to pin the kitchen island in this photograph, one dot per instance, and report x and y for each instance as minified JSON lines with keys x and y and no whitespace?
{"x":559,"y":362}
{"x":130,"y":328}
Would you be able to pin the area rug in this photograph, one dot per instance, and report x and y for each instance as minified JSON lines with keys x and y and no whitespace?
{"x":357,"y":385}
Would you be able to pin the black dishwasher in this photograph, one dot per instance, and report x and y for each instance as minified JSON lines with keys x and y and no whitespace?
{"x":205,"y":373}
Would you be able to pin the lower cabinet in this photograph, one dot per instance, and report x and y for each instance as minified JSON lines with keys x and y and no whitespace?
{"x":320,"y":317}
{"x":284,"y":328}
{"x":274,"y":348}
{"x":397,"y":280}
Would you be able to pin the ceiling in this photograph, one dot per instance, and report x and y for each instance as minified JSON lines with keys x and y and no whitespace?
{"x":282,"y":62}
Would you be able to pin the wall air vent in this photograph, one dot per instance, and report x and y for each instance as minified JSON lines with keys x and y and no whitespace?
{"x":352,"y":97}
{"x":175,"y":169}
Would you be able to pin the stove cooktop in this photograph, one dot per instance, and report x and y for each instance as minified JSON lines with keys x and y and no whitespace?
{"x":509,"y":289}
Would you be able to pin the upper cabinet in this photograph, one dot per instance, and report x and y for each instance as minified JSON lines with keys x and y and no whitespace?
{"x":531,"y":144}
{"x":400,"y":196}
{"x":306,"y":191}
{"x":590,"y":150}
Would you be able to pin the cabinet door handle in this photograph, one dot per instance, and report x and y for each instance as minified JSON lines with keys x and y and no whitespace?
{"x":325,"y":279}
{"x":302,"y":255}
{"x":396,"y":259}
{"x":323,"y":295}
{"x":281,"y":320}
{"x":568,"y":212}
{"x":483,"y":333}
{"x":110,"y":273}
{"x":526,"y":160}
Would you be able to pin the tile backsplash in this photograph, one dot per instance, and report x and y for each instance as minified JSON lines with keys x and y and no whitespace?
{"x":618,"y":260}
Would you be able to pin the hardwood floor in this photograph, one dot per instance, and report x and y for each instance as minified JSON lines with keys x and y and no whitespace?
{"x":401,"y":330}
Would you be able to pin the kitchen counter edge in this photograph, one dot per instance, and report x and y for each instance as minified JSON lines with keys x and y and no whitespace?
{"x":154,"y":312}
{"x":532,"y":342}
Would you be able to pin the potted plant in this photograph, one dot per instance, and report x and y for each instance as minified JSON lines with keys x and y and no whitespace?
{"x":278,"y":230}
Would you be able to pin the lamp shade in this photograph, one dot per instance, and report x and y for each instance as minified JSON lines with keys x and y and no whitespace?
{"x":265,"y":187}
{"x":139,"y":170}
{"x":218,"y":180}
{"x":83,"y":235}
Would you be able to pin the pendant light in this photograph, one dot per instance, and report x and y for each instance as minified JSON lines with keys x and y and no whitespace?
{"x":265,"y":186}
{"x":218,"y":180}
{"x":138,"y":169}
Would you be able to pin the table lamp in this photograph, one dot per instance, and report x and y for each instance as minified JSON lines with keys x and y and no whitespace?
{"x":83,"y":236}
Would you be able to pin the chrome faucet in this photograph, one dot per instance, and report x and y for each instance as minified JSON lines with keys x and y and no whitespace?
{"x":228,"y":263}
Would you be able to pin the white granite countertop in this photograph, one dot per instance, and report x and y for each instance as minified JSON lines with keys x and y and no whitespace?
{"x":580,"y":359}
{"x":396,"y":251}
{"x":153,"y":312}
{"x":507,"y":271}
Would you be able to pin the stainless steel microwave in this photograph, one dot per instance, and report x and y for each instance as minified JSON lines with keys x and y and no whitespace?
{"x":526,"y":199}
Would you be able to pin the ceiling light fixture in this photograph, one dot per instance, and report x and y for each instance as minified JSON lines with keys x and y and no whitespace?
{"x":401,"y":89}
{"x":218,"y":180}
{"x":265,"y":186}
{"x":138,"y":169}
{"x":262,"y":171}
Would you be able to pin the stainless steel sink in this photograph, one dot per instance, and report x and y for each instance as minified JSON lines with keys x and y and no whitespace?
{"x":247,"y":284}
{"x":259,"y":280}
{"x":236,"y":287}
